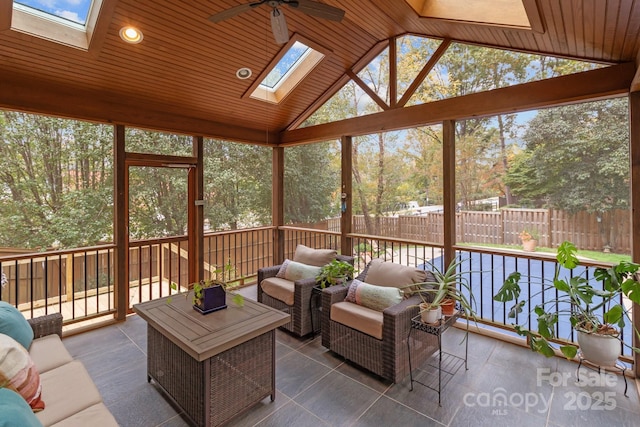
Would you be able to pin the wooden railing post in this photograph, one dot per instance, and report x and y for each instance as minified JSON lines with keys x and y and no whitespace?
{"x":449,"y":188}
{"x":346,"y":199}
{"x":121,"y":221}
{"x":634,"y":147}
{"x":277,"y":204}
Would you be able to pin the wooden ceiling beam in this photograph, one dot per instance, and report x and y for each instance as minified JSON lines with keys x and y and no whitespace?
{"x":562,"y":90}
{"x":415,"y":84}
{"x":24,"y":93}
{"x":366,"y":89}
{"x":6,"y":14}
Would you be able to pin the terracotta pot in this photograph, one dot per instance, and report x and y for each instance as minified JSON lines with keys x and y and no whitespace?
{"x":529,"y":245}
{"x":448,"y":307}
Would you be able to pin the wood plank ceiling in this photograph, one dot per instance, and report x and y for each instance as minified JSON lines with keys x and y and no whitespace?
{"x":185,"y":67}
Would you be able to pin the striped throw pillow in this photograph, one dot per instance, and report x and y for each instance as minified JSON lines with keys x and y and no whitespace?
{"x":18,"y":373}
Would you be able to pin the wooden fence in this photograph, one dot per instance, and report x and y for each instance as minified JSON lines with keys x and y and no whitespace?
{"x":587,"y":231}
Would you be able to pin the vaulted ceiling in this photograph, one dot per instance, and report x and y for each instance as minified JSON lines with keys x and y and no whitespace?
{"x":182,"y":76}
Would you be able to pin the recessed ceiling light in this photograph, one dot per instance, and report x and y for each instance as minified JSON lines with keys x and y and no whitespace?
{"x":131,"y":35}
{"x":243,"y":73}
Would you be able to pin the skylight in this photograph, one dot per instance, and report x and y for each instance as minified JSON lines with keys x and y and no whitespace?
{"x":68,"y":22}
{"x":75,"y":11}
{"x":502,"y":13}
{"x":289,"y":62}
{"x":294,"y":62}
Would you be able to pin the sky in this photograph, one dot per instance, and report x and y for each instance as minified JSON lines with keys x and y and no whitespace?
{"x":73,"y":10}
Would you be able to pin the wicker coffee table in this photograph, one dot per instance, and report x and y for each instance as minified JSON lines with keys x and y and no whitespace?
{"x":213,"y":366}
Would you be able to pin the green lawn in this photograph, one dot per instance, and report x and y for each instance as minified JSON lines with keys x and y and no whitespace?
{"x":593,"y":255}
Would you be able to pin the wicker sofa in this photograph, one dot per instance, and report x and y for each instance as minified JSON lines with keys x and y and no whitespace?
{"x":70,"y":396}
{"x":385,"y":354}
{"x":294,"y":297}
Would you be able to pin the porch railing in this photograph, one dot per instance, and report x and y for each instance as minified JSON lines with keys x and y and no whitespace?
{"x":80,"y":283}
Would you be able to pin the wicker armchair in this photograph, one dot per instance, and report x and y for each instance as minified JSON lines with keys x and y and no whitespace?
{"x":300,"y":322}
{"x":386,"y":357}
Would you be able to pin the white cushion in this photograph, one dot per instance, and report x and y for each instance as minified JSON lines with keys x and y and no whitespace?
{"x":66,"y":391}
{"x":48,"y":353}
{"x":280,"y":289}
{"x":358,"y":317}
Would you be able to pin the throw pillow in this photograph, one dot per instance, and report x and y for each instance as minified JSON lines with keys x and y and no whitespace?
{"x":18,"y":373}
{"x":13,"y":323}
{"x":316,"y":257}
{"x":386,"y":273}
{"x":374,"y":297}
{"x":15,"y":411}
{"x":292,"y":270}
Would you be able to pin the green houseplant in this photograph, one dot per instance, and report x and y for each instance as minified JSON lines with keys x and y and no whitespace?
{"x":592,"y":312}
{"x":210,"y":294}
{"x":449,"y":288}
{"x":335,"y":273}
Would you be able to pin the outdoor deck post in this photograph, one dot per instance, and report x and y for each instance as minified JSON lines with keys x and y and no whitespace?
{"x":195,"y":213}
{"x":277,"y":204}
{"x":634,"y":155}
{"x":346,"y":211}
{"x":449,"y":188}
{"x":120,"y":222}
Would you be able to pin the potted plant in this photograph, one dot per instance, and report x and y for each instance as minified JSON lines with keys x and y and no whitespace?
{"x":335,"y":273}
{"x":596,"y":314}
{"x":210,"y":295}
{"x":529,"y":239}
{"x":448,"y":288}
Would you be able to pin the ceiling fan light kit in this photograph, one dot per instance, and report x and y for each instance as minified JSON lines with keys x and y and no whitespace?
{"x":278,"y":22}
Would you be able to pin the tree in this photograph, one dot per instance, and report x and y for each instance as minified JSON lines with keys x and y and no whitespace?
{"x":311,"y":183}
{"x":157,"y":196}
{"x":577,"y":158}
{"x":56,"y":181}
{"x":237,"y":184}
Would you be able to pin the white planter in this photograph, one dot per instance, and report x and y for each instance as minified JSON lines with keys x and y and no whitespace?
{"x":431,"y":315}
{"x":601,"y":350}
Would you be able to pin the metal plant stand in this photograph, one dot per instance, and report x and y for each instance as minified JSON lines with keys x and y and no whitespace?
{"x":618,"y":367}
{"x":315,"y":309}
{"x":444,"y":364}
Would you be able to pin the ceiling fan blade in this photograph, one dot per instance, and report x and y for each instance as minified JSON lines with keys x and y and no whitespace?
{"x":279,"y":26}
{"x":319,"y":10}
{"x":236,"y":10}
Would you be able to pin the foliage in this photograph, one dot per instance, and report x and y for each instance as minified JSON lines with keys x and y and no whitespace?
{"x":529,"y":234}
{"x":221,"y":276}
{"x":575,"y":298}
{"x":235,"y":195}
{"x":311,"y":183}
{"x":56,"y":182}
{"x":334,"y":273}
{"x":450,"y":283}
{"x":577,"y":159}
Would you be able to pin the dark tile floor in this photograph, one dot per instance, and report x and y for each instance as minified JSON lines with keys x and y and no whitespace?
{"x":505,"y":385}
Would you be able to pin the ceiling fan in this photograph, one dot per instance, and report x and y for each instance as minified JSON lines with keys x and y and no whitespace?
{"x":278,"y":22}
